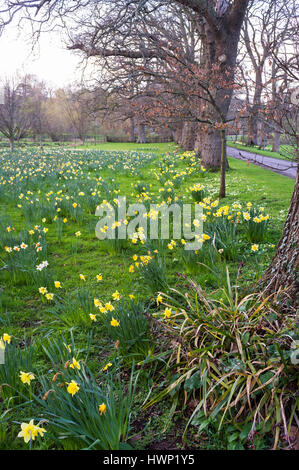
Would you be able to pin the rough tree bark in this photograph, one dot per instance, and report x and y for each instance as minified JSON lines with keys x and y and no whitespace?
{"x":12,"y":144}
{"x":188,"y":135}
{"x":141,"y":139}
{"x":132,"y":130}
{"x":178,"y":134}
{"x":283,"y":272}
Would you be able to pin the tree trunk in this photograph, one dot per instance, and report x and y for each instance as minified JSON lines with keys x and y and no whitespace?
{"x":141,"y":134}
{"x":197,"y":145}
{"x":178,"y":134}
{"x":252,"y":137}
{"x":219,"y":49}
{"x":254,"y":126}
{"x":276,"y":142}
{"x":283,"y":271}
{"x":132,"y":129}
{"x":12,"y":144}
{"x":188,"y":135}
{"x":209,"y":147}
{"x":223,"y":165}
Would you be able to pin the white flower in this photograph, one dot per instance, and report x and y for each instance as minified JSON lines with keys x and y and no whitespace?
{"x":41,"y":266}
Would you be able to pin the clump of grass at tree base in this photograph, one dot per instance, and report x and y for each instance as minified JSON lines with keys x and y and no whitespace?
{"x":233,"y":357}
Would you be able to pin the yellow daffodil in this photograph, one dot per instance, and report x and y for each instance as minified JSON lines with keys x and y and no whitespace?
{"x":109,"y":307}
{"x":6,"y":338}
{"x":167,"y":312}
{"x":102,"y":408}
{"x":73,"y":387}
{"x":116,"y":295}
{"x":114,"y":322}
{"x":29,"y":431}
{"x":26,"y":377}
{"x":75,"y":364}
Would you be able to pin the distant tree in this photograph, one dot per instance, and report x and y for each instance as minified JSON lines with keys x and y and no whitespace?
{"x":14,"y":116}
{"x":56,"y":119}
{"x":266,"y":30}
{"x":78,"y":106}
{"x":35,"y":106}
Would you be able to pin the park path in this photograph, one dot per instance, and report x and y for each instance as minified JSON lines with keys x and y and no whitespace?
{"x":283,"y":167}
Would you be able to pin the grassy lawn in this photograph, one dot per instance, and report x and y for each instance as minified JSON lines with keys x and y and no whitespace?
{"x":107,"y":290}
{"x":285,"y":150}
{"x":156,"y":147}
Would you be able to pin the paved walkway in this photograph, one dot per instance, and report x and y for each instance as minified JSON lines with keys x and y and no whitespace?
{"x":283,"y":167}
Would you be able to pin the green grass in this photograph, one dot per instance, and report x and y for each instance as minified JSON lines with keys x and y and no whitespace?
{"x":284,"y":154}
{"x":27,"y":317}
{"x":151,"y":147}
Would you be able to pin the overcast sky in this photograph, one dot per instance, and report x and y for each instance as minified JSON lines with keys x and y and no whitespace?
{"x":50,"y":60}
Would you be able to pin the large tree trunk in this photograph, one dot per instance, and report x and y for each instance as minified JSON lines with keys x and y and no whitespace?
{"x":12,"y":144}
{"x":222,"y":191}
{"x":283,"y":271}
{"x":178,"y":134}
{"x":197,"y":145}
{"x":209,"y":145}
{"x":188,"y":135}
{"x":132,"y":130}
{"x":141,"y":134}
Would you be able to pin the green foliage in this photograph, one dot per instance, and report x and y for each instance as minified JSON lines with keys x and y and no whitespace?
{"x":17,"y":359}
{"x":133,"y":334}
{"x":75,"y":421}
{"x":231,"y":359}
{"x":256,"y":226}
{"x":59,"y":198}
{"x":153,"y":274}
